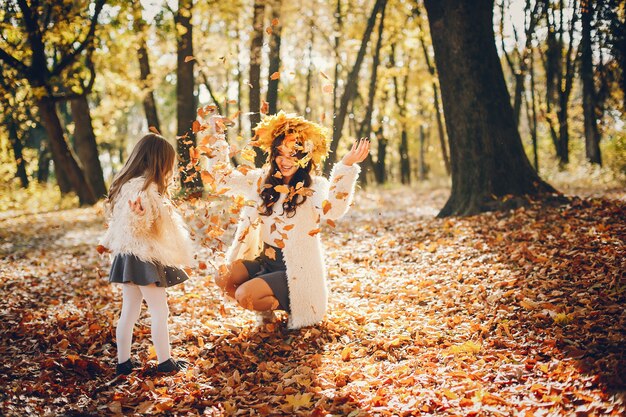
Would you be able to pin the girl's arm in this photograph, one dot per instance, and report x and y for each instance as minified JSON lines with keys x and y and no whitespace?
{"x":226,"y":177}
{"x":337,"y":193}
{"x":143,"y":211}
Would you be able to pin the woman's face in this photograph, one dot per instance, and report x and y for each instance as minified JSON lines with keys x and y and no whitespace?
{"x":286,"y":161}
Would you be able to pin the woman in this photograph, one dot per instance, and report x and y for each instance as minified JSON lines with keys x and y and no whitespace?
{"x":276,"y":259}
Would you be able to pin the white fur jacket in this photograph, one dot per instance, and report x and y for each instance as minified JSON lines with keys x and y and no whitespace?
{"x":303,"y":252}
{"x":158,"y":235}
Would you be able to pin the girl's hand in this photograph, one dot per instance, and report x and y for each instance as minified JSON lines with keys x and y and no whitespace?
{"x":136,"y":206}
{"x":358,"y":153}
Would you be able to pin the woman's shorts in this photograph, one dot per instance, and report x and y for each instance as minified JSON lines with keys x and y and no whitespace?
{"x":273,"y":272}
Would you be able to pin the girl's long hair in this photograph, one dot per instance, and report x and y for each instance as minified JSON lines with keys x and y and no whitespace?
{"x":270,"y":196}
{"x":153,"y":157}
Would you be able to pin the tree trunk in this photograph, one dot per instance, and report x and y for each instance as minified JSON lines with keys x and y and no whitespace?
{"x":62,"y":156}
{"x":422,"y":161}
{"x":239,"y":85}
{"x":86,"y":146}
{"x":43,"y":162}
{"x":405,"y":164}
{"x":403,"y":148}
{"x":308,"y":111}
{"x":531,"y":112}
{"x":149,"y":104}
{"x":380,"y":168}
{"x":185,"y":99}
{"x":16,"y":144}
{"x":592,"y":135}
{"x":338,"y":66}
{"x":274,"y":57}
{"x":487,"y":157}
{"x":254,"y":101}
{"x":436,"y":104}
{"x":351,"y":86}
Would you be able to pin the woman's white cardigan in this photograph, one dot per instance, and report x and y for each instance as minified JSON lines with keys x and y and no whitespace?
{"x":158,"y":235}
{"x":303,"y":253}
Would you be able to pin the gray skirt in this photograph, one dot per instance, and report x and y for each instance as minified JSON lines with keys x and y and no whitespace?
{"x":129,"y":268}
{"x":273,"y":272}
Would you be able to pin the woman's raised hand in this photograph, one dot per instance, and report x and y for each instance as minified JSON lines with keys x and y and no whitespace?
{"x":357,"y":153}
{"x":136,"y":206}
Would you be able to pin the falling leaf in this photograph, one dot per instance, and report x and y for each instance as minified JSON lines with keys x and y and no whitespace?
{"x":314,"y":232}
{"x":270,"y":253}
{"x":154,"y":130}
{"x":265,"y":107}
{"x":281,"y":188}
{"x":324,"y":75}
{"x":189,"y":58}
{"x":101,"y":249}
{"x":275,"y":21}
{"x":326,"y":206}
{"x":275,"y":75}
{"x":328,"y":88}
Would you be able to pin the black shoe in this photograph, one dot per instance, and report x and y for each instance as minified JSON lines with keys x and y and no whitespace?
{"x":172,"y":366}
{"x":125,"y":368}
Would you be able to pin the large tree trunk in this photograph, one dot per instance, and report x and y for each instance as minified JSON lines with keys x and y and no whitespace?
{"x":62,"y":156}
{"x":254,"y":101}
{"x":185,"y":99}
{"x":274,"y":57}
{"x":86,"y":146}
{"x":351,"y":86}
{"x":592,"y":135}
{"x":487,"y":157}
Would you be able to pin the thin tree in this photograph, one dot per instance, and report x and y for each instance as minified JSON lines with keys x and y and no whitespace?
{"x":366,"y":125}
{"x":487,"y":158}
{"x":592,"y":134}
{"x":185,"y":98}
{"x":351,"y":85}
{"x":274,"y":57}
{"x":145,"y":75}
{"x":254,"y":101}
{"x":560,"y":74}
{"x":433,"y":74}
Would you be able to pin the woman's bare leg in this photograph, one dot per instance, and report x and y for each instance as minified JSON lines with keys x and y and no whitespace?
{"x":236,"y":275}
{"x":256,"y":295}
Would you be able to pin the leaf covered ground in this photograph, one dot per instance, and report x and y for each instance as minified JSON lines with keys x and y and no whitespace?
{"x":515,"y":313}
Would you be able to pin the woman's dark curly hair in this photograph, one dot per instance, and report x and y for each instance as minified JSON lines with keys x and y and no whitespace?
{"x":270,"y":196}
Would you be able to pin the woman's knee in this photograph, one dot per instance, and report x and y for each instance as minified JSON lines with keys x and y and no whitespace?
{"x":235,"y":274}
{"x":245,"y":296}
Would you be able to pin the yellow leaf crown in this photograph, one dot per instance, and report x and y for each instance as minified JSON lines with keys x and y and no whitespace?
{"x":309,"y":137}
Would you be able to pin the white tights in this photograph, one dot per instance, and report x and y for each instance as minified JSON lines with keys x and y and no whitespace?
{"x":156,"y":298}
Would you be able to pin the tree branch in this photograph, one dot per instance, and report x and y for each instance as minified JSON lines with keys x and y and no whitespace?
{"x":15,"y":63}
{"x":69,"y":58}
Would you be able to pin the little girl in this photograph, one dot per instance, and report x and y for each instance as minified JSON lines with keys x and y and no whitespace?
{"x":276,"y":259}
{"x":149,"y":242}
